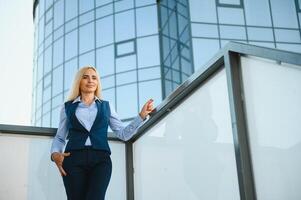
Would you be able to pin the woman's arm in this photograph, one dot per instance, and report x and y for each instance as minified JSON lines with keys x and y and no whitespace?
{"x":59,"y":140}
{"x":126,"y":132}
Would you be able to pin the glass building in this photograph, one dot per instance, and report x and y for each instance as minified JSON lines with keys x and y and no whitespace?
{"x":144,"y":48}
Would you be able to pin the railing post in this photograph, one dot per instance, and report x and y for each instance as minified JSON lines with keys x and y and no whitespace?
{"x":239,"y":127}
{"x":129,"y":164}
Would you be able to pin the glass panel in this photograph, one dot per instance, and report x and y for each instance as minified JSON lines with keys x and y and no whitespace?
{"x":126,"y":48}
{"x":272,"y":101}
{"x":55,"y":117}
{"x":87,"y":59}
{"x":127,"y":101}
{"x":204,"y":30}
{"x":71,"y":45}
{"x":123,"y":5}
{"x":58,"y":33}
{"x":202,"y":11}
{"x":103,"y":11}
{"x":150,"y":90}
{"x":58,"y":19}
{"x":58,"y":52}
{"x":109,"y":95}
{"x":48,"y":60}
{"x":108,"y":82}
{"x":87,"y":17}
{"x":264,"y":44}
{"x":71,"y":10}
{"x":48,"y":3}
{"x":126,"y":63}
{"x":39,"y":94}
{"x":86,"y":38}
{"x":102,"y":2}
{"x":149,"y":73}
{"x":85,"y":5}
{"x":48,"y":15}
{"x":265,"y":34}
{"x":144,"y":2}
{"x":258,"y":12}
{"x":203,"y":51}
{"x":190,"y":150}
{"x":41,"y":7}
{"x":127,"y":77}
{"x":71,"y":25}
{"x":283,"y":35}
{"x":46,"y":107}
{"x":284,"y":14}
{"x":57,"y":101}
{"x":41,"y":174}
{"x":233,"y":32}
{"x":230,"y":2}
{"x":40,"y":67}
{"x":105,"y":61}
{"x":48,"y":28}
{"x":148,"y":51}
{"x":46,"y":120}
{"x":47,"y":80}
{"x":146,"y":21}
{"x":124,"y":21}
{"x":46,"y":94}
{"x":57,"y":84}
{"x":230,"y":15}
{"x":69,"y":74}
{"x":290,"y":47}
{"x":104,"y":31}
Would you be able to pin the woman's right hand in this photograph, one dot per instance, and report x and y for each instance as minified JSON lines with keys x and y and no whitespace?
{"x":58,"y":158}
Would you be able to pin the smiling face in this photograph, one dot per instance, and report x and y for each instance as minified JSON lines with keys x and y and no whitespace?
{"x":89,"y":82}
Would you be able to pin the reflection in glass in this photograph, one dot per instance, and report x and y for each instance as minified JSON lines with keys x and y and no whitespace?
{"x":71,"y":44}
{"x":124,"y":21}
{"x":86,"y":38}
{"x":105,"y":60}
{"x":127,"y":101}
{"x":104,"y":30}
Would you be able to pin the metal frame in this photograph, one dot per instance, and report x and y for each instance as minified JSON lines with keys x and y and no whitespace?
{"x":228,"y":5}
{"x":228,"y":58}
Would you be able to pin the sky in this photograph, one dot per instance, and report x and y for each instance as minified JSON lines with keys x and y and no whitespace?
{"x":16,"y":61}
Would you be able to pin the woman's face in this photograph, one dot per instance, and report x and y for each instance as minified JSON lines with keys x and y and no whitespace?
{"x":88,"y":83}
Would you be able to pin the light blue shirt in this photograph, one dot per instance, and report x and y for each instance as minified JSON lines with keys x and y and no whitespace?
{"x":86,"y":115}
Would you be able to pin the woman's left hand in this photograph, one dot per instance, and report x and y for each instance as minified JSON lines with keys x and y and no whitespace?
{"x":146,"y":109}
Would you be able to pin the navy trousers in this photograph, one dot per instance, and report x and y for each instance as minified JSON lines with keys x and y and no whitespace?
{"x":88,"y":174}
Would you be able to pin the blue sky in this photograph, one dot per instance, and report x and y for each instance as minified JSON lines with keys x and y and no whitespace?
{"x":16,"y":58}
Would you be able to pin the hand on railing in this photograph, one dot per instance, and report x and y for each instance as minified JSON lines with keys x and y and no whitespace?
{"x":58,"y":158}
{"x":146,"y":109}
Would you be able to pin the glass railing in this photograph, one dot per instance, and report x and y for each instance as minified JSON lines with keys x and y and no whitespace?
{"x":229,"y":132}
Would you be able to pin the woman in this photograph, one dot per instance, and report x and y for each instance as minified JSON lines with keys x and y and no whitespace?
{"x":86,"y":164}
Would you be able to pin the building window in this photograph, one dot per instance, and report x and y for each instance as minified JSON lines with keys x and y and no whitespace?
{"x":230,"y":3}
{"x":125,"y":48}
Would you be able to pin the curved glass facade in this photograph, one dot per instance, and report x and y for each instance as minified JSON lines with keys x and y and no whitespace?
{"x":120,"y":38}
{"x":145,"y":48}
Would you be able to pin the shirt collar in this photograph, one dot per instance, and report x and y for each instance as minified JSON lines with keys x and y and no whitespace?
{"x":78,"y":99}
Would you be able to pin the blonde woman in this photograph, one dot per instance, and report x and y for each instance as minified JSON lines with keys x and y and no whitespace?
{"x":85,"y":165}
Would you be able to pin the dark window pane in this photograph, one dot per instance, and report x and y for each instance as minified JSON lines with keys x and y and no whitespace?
{"x":126,"y":48}
{"x":86,"y":38}
{"x":105,"y":61}
{"x":230,"y":2}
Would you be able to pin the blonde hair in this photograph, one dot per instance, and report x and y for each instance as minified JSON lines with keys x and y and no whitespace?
{"x":75,"y":89}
